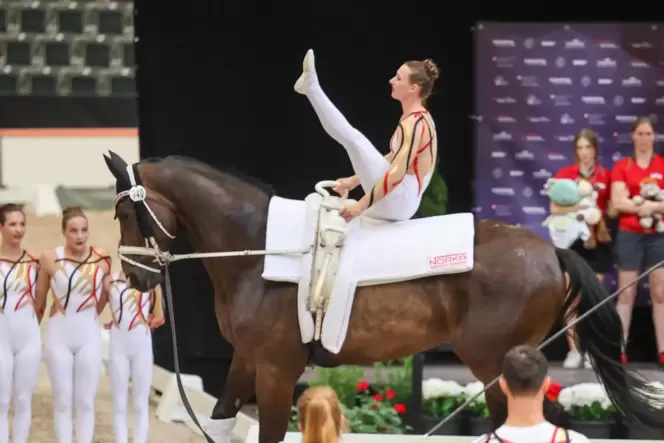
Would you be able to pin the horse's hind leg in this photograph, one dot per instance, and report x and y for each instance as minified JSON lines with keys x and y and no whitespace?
{"x":238,"y":389}
{"x":484,"y":359}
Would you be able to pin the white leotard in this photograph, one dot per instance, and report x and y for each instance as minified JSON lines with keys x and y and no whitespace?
{"x":73,"y":344}
{"x":20,"y":344}
{"x":130,"y":357}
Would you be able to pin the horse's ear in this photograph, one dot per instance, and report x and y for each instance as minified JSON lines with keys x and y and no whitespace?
{"x":119,"y":172}
{"x":112,"y":167}
{"x":118,"y":160}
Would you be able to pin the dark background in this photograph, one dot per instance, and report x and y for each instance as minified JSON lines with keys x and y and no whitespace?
{"x":217,"y":85}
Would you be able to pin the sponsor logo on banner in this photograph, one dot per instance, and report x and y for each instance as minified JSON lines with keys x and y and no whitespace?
{"x":532,"y":100}
{"x":593,"y":100}
{"x":503,"y":43}
{"x":607,"y":44}
{"x":534,"y":62}
{"x":502,"y":136}
{"x":533,"y":137}
{"x":504,"y":100}
{"x":500,"y":81}
{"x":631,"y":81}
{"x":538,"y":119}
{"x":505,"y":119}
{"x":575,"y":44}
{"x":606,"y":63}
{"x":595,"y":119}
{"x":528,"y":81}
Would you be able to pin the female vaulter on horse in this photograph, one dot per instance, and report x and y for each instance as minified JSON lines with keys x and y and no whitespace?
{"x":514,"y":295}
{"x":394,"y":183}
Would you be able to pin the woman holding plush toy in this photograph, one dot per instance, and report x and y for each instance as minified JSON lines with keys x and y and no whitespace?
{"x":635,"y":193}
{"x":597,"y":249}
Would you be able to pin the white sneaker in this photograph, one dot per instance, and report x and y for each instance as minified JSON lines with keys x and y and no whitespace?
{"x":308,"y":72}
{"x":574,"y":360}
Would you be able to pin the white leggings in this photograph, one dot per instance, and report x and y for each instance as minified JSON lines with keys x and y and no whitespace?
{"x":130,"y":356}
{"x":20,"y":355}
{"x":72,"y":348}
{"x":369,"y":164}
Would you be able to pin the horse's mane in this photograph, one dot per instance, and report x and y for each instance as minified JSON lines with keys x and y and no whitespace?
{"x":220,"y":175}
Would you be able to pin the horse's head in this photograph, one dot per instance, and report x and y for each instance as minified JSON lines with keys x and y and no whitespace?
{"x":148,"y":221}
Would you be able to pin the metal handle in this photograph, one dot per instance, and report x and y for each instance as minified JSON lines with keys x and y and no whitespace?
{"x":320,"y":188}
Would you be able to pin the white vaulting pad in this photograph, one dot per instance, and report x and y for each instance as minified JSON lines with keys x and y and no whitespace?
{"x":383,"y":252}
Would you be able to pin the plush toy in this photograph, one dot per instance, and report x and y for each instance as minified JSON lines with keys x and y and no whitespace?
{"x":592,"y":214}
{"x":649,"y":190}
{"x":563,"y":191}
{"x":565,"y":228}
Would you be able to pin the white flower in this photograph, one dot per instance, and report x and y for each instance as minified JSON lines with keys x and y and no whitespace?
{"x":437,"y":388}
{"x":584,"y":394}
{"x":474,"y":388}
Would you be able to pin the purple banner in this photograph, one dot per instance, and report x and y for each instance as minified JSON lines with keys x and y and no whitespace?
{"x":539,"y":84}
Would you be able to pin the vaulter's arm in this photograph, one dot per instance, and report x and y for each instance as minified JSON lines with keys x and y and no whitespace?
{"x":413,"y":129}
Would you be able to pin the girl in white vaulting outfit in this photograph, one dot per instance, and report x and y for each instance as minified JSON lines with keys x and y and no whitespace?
{"x":135,"y":314}
{"x":72,"y":344}
{"x":20,"y":339}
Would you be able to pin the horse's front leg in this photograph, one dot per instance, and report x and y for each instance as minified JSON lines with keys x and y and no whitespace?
{"x":275,"y":386}
{"x":238,"y":389}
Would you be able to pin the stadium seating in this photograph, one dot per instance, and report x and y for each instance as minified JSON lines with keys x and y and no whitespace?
{"x":67,"y":48}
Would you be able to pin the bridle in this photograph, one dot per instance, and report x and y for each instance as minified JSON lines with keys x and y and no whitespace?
{"x":138,"y":194}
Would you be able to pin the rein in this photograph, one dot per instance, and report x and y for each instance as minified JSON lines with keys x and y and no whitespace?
{"x":138,"y":194}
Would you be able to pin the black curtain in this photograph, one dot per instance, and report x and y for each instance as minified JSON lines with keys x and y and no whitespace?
{"x":219,"y":87}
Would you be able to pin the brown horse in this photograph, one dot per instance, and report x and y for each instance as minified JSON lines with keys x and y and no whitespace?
{"x":514,"y":295}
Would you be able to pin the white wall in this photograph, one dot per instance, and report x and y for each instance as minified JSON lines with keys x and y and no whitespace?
{"x":62,"y":157}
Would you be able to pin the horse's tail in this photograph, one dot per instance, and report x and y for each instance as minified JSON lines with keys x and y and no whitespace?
{"x":600,"y":336}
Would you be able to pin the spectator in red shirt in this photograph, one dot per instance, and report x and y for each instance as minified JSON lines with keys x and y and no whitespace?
{"x":637,"y":249}
{"x":599,"y":255}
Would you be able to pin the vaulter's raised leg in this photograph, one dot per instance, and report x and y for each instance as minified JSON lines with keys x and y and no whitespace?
{"x":368,"y":163}
{"x":274,"y":392}
{"x":238,"y":389}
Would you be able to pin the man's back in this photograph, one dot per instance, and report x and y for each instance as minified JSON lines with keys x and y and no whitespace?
{"x":542,"y":433}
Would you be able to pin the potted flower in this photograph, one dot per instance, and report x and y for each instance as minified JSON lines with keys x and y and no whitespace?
{"x":376,"y":414}
{"x":477,"y":411}
{"x":589,"y":408}
{"x":636,"y":432}
{"x":439,"y":399}
{"x":368,"y":407}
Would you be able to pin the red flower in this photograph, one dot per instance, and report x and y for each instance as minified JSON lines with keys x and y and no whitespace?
{"x":362,"y":386}
{"x":553,"y":391}
{"x":377,"y":397}
{"x":400,"y":408}
{"x":389,"y":394}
